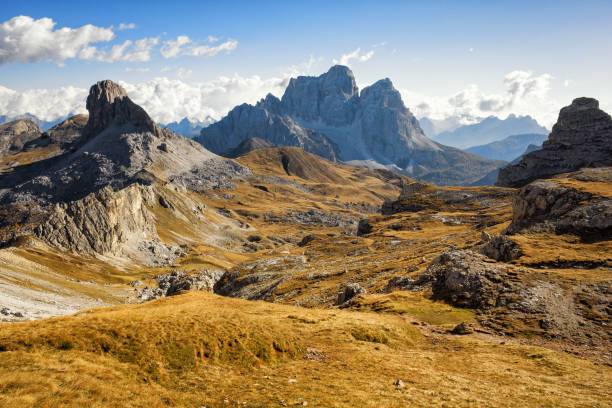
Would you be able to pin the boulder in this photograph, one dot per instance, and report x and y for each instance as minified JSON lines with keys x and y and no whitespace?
{"x":501,"y":248}
{"x":349,"y":292}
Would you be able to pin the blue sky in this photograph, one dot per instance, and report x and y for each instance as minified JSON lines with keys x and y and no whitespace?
{"x":432,"y":51}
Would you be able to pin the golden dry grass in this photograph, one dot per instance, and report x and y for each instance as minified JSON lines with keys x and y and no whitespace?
{"x":199,"y":349}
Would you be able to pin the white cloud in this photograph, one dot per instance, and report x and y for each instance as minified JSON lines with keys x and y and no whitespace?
{"x":23,"y":39}
{"x":525,"y":94}
{"x":45,"y":104}
{"x":166,"y":100}
{"x":356,"y":55}
{"x":471,"y":50}
{"x":129,"y":51}
{"x":567,"y":83}
{"x":128,"y":26}
{"x":183,"y":45}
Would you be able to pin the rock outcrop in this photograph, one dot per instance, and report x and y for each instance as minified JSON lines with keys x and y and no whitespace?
{"x":349,"y":292}
{"x":177,"y":282}
{"x":507,"y":297}
{"x":63,"y":135}
{"x":328,"y":116}
{"x":556,"y":206}
{"x":249,"y":145}
{"x":582,"y":137}
{"x":120,"y":145}
{"x":92,"y":197}
{"x":16,"y":134}
{"x":109,"y":222}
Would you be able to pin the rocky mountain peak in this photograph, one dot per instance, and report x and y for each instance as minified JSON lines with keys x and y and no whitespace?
{"x":382,"y":93}
{"x":582,"y":137}
{"x":331,"y":97}
{"x":270,"y":102}
{"x":14,"y":135}
{"x":108,"y":104}
{"x":581,"y":122}
{"x":580,"y":104}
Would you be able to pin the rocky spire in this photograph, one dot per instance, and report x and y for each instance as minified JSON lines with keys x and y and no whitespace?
{"x":108,"y":104}
{"x":582,"y":137}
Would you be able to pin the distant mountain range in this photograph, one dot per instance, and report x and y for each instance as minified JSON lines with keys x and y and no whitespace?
{"x":509,"y":148}
{"x":491,"y":178}
{"x":189,"y":127}
{"x":42,"y":124}
{"x":328,"y":116}
{"x":488,"y":130}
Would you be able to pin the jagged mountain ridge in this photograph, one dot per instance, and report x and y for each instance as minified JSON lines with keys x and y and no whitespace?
{"x":510,"y":148}
{"x":328,"y":116}
{"x":119,"y":144}
{"x":188,"y":127}
{"x":489,"y":130}
{"x":95,"y":192}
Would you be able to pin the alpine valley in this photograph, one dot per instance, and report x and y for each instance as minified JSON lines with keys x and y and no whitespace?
{"x":312,"y":250}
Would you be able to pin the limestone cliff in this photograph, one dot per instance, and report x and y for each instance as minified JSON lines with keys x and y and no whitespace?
{"x":328,"y":116}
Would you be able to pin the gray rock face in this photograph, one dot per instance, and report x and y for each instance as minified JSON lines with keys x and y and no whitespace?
{"x":120,"y":145}
{"x":261,"y":121}
{"x":349,"y":292}
{"x":327,"y":116}
{"x":332,"y":98}
{"x":63,"y":135}
{"x":547,"y":205}
{"x":14,"y":135}
{"x":109,"y":223}
{"x":501,"y":248}
{"x":108,"y":105}
{"x":92,"y":197}
{"x":177,"y":282}
{"x":582,"y":137}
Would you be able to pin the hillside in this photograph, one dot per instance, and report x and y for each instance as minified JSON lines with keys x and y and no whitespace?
{"x":204,"y":350}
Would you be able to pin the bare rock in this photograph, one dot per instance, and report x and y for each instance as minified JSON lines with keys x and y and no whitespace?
{"x":463,"y":329}
{"x":364,"y":227}
{"x":16,"y":134}
{"x":349,"y":292}
{"x":582,"y":137}
{"x":501,"y":248}
{"x":177,"y":282}
{"x":465,"y":278}
{"x":547,"y":205}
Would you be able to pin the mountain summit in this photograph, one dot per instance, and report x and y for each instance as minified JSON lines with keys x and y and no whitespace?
{"x":582,"y":137}
{"x":328,"y":116}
